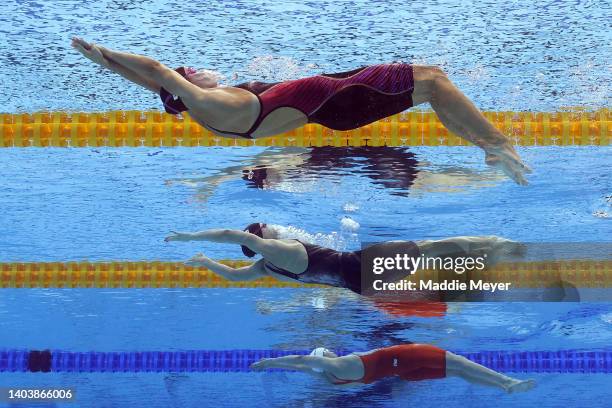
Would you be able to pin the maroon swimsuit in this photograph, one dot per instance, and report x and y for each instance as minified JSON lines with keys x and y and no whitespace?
{"x":342,"y":101}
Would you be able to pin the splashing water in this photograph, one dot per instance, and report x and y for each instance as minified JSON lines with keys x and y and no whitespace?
{"x":348,"y":224}
{"x":339,"y":241}
{"x":350,"y":207}
{"x":604,"y":208}
{"x":277,"y":68}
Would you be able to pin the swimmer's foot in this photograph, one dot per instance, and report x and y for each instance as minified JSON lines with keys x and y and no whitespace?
{"x":503,"y":246}
{"x":519,"y":386}
{"x":505,"y":158}
{"x":504,"y":250}
{"x":495,"y":249}
{"x":489,"y":245}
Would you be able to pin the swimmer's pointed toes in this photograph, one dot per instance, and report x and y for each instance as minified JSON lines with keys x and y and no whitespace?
{"x":520,"y":179}
{"x":521,"y":386}
{"x":515,"y":175}
{"x":519,"y":249}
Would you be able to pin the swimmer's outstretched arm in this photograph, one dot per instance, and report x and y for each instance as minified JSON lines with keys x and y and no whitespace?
{"x":93,"y":53}
{"x":151,"y":70}
{"x":156,"y":71}
{"x":246,"y":273}
{"x":265,"y":247}
{"x":223,"y":236}
{"x":298,"y":362}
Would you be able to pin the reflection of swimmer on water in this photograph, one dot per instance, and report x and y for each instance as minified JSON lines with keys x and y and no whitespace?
{"x":412,"y":309}
{"x":293,"y":260}
{"x":319,"y":300}
{"x":340,"y":101}
{"x":394,"y":168}
{"x":327,"y":299}
{"x":410,"y":362}
{"x":391,"y":167}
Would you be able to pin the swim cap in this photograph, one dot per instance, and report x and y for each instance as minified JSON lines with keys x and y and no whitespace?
{"x":204,"y":78}
{"x":319,"y":352}
{"x":255,"y":228}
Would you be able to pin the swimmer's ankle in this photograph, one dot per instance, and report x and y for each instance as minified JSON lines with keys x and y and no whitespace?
{"x":516,"y":385}
{"x":495,"y":139}
{"x":508,"y":384}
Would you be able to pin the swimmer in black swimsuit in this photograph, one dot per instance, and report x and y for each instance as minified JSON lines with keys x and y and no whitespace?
{"x":340,"y":101}
{"x":297,"y":261}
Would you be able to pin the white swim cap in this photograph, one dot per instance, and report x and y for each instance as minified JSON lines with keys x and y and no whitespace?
{"x":204,"y":78}
{"x":319,"y":352}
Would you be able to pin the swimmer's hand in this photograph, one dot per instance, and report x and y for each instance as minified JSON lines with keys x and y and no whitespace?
{"x":79,"y":42}
{"x":259,"y":365}
{"x":90,"y":51}
{"x":198,"y":260}
{"x":178,"y":236}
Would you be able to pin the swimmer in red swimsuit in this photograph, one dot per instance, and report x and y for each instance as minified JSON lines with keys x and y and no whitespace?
{"x":296,"y":261}
{"x":339,"y":101}
{"x":410,"y":362}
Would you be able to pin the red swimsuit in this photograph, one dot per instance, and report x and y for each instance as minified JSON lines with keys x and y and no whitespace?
{"x":342,"y":101}
{"x":411,"y":362}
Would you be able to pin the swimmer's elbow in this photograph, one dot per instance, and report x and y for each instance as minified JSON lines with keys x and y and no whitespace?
{"x":223,"y":235}
{"x":235,"y":278}
{"x":244,"y":274}
{"x":230,"y":235}
{"x":242,"y":277}
{"x":155,"y":68}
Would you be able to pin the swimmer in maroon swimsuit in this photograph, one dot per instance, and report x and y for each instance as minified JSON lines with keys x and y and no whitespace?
{"x":410,"y":362}
{"x":340,"y":101}
{"x":296,"y":261}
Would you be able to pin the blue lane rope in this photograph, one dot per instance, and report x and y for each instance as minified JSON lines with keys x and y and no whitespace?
{"x":563,"y":361}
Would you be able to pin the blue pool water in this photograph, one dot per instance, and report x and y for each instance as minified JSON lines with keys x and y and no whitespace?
{"x":110,"y":204}
{"x":281,"y":318}
{"x":103,"y":204}
{"x":118,"y":204}
{"x":510,"y":55}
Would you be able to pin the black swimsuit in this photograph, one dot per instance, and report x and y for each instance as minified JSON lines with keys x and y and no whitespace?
{"x":343,"y":269}
{"x":327,"y":267}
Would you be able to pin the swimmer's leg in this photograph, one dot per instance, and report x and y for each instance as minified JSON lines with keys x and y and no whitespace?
{"x":472,"y":372}
{"x":493,"y":247}
{"x":461,"y":117}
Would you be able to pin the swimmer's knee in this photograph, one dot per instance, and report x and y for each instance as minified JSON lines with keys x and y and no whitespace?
{"x":439,"y":79}
{"x":429,"y":72}
{"x":455,"y":363}
{"x":437,"y":72}
{"x":428,"y":79}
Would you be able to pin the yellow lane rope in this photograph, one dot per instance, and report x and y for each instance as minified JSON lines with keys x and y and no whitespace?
{"x":593,"y":274}
{"x":414,"y":128}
